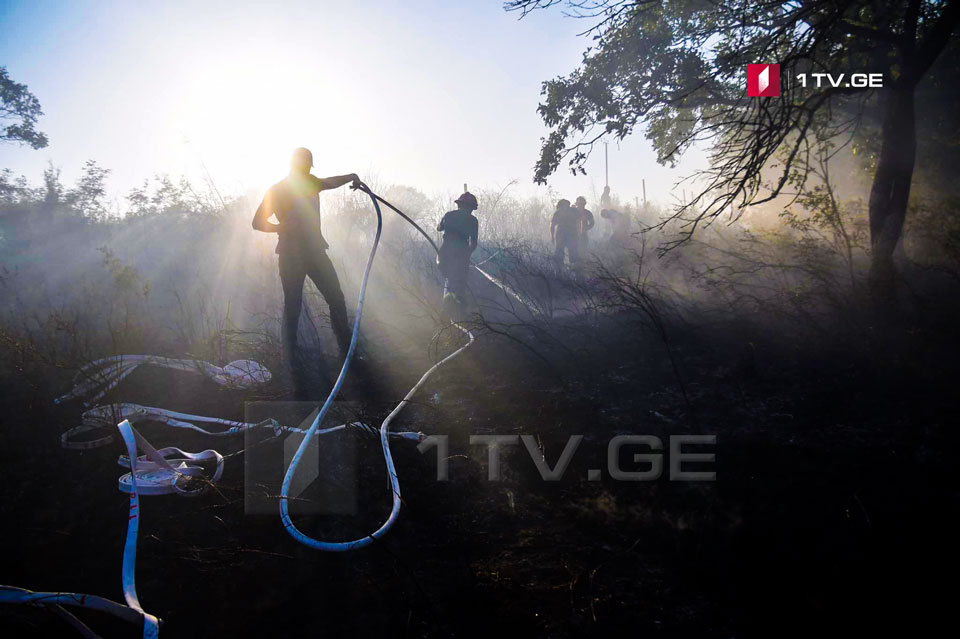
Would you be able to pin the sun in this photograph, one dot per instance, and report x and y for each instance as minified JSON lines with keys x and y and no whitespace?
{"x":240,"y":119}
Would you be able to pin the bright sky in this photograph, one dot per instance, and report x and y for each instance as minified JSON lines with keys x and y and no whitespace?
{"x":425,"y":93}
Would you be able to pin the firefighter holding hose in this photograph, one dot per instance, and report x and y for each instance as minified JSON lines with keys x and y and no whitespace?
{"x":460,"y":237}
{"x":302,"y":249}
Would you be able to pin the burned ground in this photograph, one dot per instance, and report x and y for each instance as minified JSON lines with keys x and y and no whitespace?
{"x":832,"y":506}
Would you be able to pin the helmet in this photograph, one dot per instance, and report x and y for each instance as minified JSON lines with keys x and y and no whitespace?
{"x":302,"y":157}
{"x":469,"y":199}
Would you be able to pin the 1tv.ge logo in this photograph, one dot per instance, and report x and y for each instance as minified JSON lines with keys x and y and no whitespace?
{"x":763,"y":80}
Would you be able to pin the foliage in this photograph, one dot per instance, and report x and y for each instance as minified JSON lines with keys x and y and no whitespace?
{"x":21,"y":109}
{"x":932,"y":236}
{"x":14,"y":190}
{"x":88,"y":196}
{"x":676,"y":68}
{"x":166,"y":197}
{"x":822,"y":218}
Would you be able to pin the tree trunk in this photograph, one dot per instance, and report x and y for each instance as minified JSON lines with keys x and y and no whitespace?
{"x":891,"y":189}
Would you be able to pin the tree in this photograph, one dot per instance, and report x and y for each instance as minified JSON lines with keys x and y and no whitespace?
{"x":676,"y":68}
{"x":178,"y":199}
{"x":14,"y":190}
{"x":21,"y":108}
{"x":88,"y":196}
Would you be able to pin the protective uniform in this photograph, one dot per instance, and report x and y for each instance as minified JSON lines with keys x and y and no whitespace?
{"x":587,"y":222}
{"x":566,"y":229}
{"x":460,"y":236}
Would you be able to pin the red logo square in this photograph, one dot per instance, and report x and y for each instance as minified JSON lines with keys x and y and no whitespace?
{"x":763,"y":80}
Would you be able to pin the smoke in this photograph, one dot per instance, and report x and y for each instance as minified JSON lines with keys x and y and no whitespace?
{"x":181,"y":272}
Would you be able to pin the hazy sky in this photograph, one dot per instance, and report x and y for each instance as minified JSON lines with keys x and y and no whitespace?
{"x":426,"y":93}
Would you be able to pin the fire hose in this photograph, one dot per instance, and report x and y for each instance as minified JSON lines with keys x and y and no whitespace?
{"x":171,"y":470}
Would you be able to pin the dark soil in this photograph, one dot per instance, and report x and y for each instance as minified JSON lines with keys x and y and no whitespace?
{"x":833,"y":508}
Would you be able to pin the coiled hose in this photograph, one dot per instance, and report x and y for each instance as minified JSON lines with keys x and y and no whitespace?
{"x":384,"y":427}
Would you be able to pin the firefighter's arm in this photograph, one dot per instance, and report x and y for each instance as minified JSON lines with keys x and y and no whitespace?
{"x":337,"y":181}
{"x":553,"y":226}
{"x":261,"y":219}
{"x":590,"y":221}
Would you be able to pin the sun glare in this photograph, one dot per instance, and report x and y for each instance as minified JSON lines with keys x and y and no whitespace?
{"x":239,"y":120}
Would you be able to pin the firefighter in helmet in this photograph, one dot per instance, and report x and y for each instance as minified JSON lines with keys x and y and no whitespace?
{"x":460,"y":236}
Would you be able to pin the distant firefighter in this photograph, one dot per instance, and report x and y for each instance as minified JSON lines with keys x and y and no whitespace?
{"x":586,"y":223}
{"x":302,"y":249}
{"x":620,"y":224}
{"x":606,"y":201}
{"x":565,"y":233}
{"x":619,"y":220}
{"x":460,"y":237}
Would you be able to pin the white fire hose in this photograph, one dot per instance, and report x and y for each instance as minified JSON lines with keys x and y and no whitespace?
{"x":102,"y":375}
{"x":173,"y":471}
{"x":105,"y":417}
